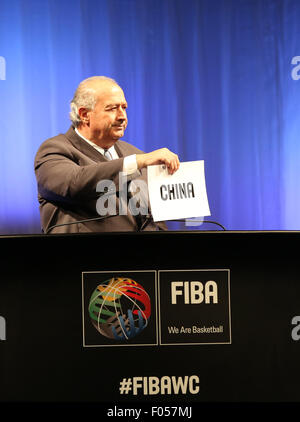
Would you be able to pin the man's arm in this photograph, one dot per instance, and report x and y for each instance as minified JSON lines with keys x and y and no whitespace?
{"x":60,"y":177}
{"x":159,"y":156}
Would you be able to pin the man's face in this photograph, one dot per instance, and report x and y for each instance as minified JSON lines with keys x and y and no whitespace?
{"x":108,"y":120}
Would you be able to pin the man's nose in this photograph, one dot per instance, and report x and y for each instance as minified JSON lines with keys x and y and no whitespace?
{"x":121,"y":114}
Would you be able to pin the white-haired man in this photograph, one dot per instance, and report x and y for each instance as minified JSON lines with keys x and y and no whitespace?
{"x":69,"y":167}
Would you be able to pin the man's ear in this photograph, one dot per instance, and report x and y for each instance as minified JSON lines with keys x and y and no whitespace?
{"x":84,"y":114}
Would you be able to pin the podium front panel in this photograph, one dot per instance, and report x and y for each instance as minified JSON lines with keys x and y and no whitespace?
{"x":184,"y":317}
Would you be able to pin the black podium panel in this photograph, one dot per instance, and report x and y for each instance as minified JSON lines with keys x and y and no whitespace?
{"x":185,"y":317}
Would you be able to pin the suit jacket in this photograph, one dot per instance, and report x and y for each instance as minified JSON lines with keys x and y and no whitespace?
{"x":68,"y":170}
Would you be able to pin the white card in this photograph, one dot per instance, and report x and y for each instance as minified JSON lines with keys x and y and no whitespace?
{"x":180,"y":195}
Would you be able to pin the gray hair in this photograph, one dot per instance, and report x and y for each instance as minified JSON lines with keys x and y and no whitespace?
{"x":85,"y":96}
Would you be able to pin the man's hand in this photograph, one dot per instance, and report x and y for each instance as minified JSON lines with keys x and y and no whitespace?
{"x":159,"y":156}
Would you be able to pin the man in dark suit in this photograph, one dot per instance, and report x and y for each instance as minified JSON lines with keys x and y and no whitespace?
{"x":70,"y":167}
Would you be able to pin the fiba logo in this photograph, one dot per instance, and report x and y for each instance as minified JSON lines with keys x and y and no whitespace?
{"x":119,"y":308}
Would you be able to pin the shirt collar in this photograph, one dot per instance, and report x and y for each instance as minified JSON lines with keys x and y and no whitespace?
{"x":101,"y":150}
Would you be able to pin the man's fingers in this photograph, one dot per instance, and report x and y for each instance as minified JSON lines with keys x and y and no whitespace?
{"x":172,"y":163}
{"x":161,"y":156}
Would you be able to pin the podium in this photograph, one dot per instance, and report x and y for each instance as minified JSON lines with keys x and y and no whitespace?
{"x":152,"y":317}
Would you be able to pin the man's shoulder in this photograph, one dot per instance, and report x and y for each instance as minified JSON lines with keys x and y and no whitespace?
{"x":57,"y":142}
{"x":54,"y":140}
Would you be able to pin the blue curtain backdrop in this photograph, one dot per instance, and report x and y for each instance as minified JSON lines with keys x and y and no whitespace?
{"x":210,"y":79}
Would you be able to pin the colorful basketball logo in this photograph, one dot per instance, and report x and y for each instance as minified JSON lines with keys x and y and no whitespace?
{"x":120,"y":308}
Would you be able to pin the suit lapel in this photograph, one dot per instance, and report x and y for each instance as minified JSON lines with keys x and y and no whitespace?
{"x":118,"y":149}
{"x":83,"y":146}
